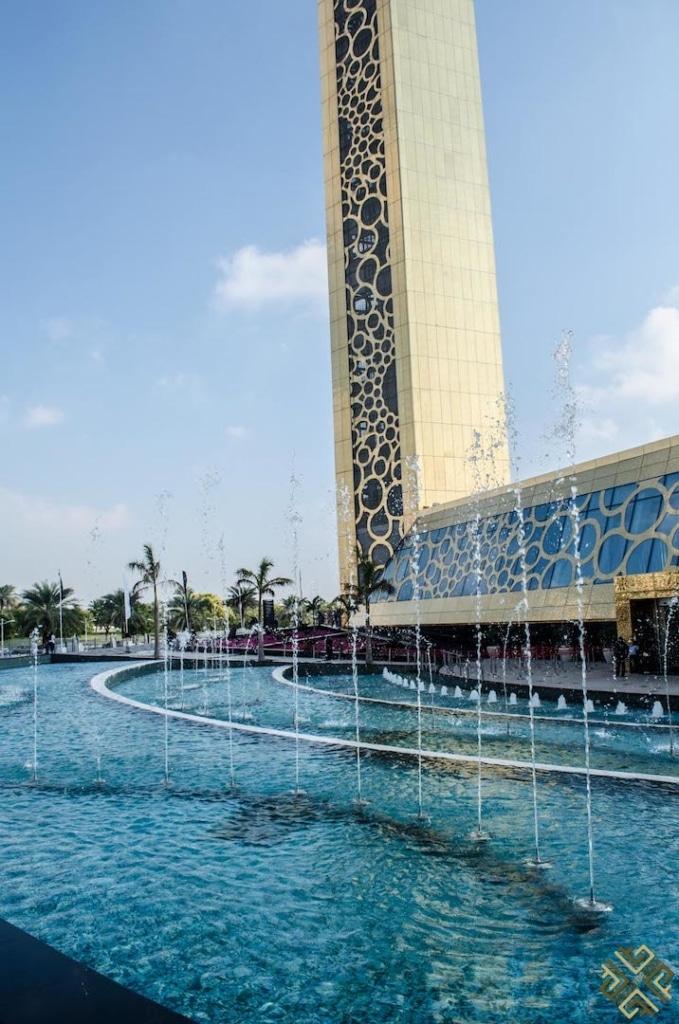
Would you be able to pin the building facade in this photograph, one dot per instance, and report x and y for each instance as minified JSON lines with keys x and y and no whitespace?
{"x":416,"y":354}
{"x":612,"y":523}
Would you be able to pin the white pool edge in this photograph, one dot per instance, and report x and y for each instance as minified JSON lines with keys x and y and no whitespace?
{"x":100,"y":685}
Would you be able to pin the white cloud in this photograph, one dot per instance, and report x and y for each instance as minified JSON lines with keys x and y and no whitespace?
{"x":251,"y":278}
{"x":188,"y":385}
{"x":43,"y":514}
{"x":237,"y":433}
{"x":629,"y":386}
{"x":59,"y":328}
{"x":43,"y":416}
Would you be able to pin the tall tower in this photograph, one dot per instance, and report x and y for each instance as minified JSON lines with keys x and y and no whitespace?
{"x":416,"y":354}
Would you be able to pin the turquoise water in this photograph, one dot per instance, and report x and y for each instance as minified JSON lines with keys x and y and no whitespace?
{"x":256,"y":906}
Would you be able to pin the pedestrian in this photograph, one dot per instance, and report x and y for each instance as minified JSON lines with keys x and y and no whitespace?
{"x":621,"y":651}
{"x":633,"y":656}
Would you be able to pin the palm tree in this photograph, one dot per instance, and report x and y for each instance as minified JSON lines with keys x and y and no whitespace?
{"x":178,"y":608}
{"x":8,"y":603}
{"x":108,"y":612}
{"x":292,"y":609}
{"x":8,"y":599}
{"x":316,"y":606}
{"x":41,"y":607}
{"x":149,"y":570}
{"x":264,"y":585}
{"x":187,"y":610}
{"x":370,"y":582}
{"x":102,"y":613}
{"x":241,"y":597}
{"x":345,"y":605}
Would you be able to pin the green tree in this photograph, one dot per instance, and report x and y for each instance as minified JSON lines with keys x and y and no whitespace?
{"x":215,"y":612}
{"x":149,"y":571}
{"x":241,"y":598}
{"x":101,"y":613}
{"x":370,"y":582}
{"x":316,"y":606}
{"x":108,"y":612}
{"x":41,"y":607}
{"x":345,"y":605}
{"x":189,"y":610}
{"x":291,"y":606}
{"x":265,"y":585}
{"x":8,"y":606}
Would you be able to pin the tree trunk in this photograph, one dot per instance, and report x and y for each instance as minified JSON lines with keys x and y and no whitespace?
{"x":369,"y":638}
{"x":156,"y":624}
{"x":260,"y":636}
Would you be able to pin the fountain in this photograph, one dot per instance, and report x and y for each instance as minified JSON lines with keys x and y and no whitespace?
{"x":567,"y":429}
{"x":295,"y":519}
{"x":183,"y":639}
{"x":35,"y":639}
{"x":561,"y":704}
{"x":674,"y":602}
{"x":621,"y":708}
{"x":413,"y":469}
{"x":343,"y":500}
{"x":227,"y":651}
{"x":657,"y":711}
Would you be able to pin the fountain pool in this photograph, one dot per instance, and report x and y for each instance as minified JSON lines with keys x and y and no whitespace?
{"x":253,"y":905}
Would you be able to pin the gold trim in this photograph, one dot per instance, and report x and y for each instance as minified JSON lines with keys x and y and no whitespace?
{"x":641,"y":587}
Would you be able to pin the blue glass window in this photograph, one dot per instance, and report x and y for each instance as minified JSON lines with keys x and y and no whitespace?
{"x":615,"y":496}
{"x":557,"y":536}
{"x":406,"y":591}
{"x":469,"y":584}
{"x":592,"y":504}
{"x":543,"y":512}
{"x":402,"y":570}
{"x":425,"y":554}
{"x":612,"y":553}
{"x":587,"y":540}
{"x":558,"y":575}
{"x":667,"y":524}
{"x":643,"y":510}
{"x":674,"y":498}
{"x":649,"y":556}
{"x":532,"y":554}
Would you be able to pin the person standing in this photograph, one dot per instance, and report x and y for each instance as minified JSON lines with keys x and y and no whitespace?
{"x":621,"y":651}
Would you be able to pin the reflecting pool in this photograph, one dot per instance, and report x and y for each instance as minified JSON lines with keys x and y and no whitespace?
{"x":256,"y":905}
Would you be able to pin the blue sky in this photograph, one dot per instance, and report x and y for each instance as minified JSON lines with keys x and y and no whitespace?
{"x":163,"y":327}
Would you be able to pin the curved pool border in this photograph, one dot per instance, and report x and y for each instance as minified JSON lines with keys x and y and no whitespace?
{"x":100,"y":684}
{"x":441,"y":709}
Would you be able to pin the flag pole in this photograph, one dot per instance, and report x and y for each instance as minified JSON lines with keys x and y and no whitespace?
{"x":61,"y":613}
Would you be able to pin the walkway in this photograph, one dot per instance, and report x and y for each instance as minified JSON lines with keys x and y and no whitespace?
{"x":39,"y":985}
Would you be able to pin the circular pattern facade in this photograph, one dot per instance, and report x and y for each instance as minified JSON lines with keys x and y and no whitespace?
{"x":629,"y":529}
{"x":378,"y":500}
